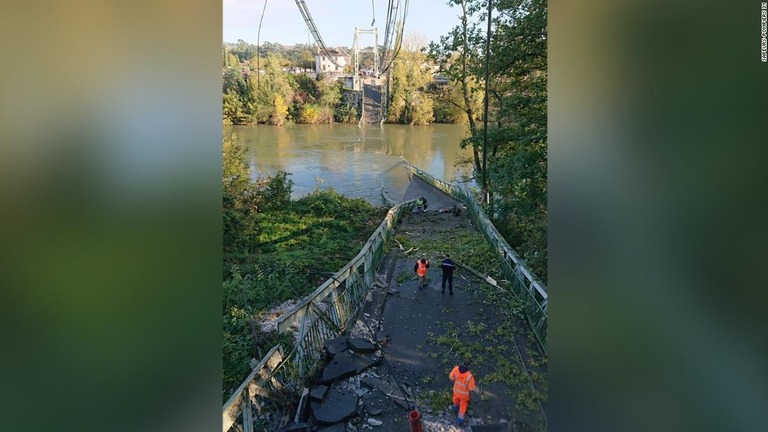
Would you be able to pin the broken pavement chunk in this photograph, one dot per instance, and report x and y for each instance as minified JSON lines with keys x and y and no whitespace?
{"x":382,"y":336}
{"x":335,"y":346}
{"x":318,"y":392}
{"x":388,"y":389}
{"x":337,"y":407}
{"x":361,"y":345}
{"x":345,"y":364}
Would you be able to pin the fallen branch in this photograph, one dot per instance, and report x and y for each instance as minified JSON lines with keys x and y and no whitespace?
{"x":399,"y":397}
{"x":491,"y":281}
{"x":401,"y":246}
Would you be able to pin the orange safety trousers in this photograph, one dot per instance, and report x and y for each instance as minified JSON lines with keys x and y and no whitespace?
{"x":462,"y":403}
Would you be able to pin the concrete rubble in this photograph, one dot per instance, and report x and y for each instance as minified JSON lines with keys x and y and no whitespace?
{"x":346,"y":364}
{"x":337,"y":407}
{"x":361,"y":345}
{"x":318,"y":392}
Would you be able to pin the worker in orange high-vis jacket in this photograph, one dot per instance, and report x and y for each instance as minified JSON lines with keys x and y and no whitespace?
{"x":421,"y":268}
{"x":463,"y":383}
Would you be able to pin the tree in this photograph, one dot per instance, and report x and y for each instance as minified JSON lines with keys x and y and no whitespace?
{"x":461,"y":51}
{"x":234,"y":109}
{"x":279,"y":111}
{"x":274,"y":96}
{"x":238,"y":204}
{"x":243,"y":50}
{"x":518,"y":145}
{"x":409,"y":78}
{"x":272,"y":93}
{"x":517,"y":134}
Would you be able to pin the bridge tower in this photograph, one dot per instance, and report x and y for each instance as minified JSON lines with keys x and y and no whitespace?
{"x":357,"y":50}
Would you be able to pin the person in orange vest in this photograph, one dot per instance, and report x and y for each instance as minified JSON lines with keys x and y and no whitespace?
{"x":463,"y":383}
{"x":421,"y":268}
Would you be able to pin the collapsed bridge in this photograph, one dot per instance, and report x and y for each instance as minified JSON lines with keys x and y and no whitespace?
{"x":413,"y":333}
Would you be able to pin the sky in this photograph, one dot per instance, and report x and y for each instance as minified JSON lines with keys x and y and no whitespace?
{"x":335,"y":20}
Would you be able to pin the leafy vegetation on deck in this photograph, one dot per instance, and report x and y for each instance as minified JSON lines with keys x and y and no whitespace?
{"x":497,"y":337}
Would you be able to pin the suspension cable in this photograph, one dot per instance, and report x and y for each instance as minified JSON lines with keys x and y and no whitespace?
{"x":399,"y":42}
{"x":315,"y":32}
{"x":258,"y":39}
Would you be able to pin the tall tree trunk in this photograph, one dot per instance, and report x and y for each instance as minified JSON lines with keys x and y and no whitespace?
{"x":465,"y":88}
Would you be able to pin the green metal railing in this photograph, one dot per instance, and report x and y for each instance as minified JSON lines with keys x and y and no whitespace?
{"x":320,"y":316}
{"x":260,"y":401}
{"x":326,"y":312}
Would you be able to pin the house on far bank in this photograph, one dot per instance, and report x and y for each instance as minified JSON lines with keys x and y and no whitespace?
{"x":325,"y":64}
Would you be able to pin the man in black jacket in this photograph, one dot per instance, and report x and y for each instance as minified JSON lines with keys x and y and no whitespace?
{"x":448,"y":266}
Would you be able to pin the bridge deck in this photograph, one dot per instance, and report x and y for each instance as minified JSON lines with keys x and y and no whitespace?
{"x":430,"y":330}
{"x":436,"y":199}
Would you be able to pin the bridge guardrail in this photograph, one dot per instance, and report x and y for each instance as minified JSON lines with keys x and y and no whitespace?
{"x":271,"y":377}
{"x":524,"y":283}
{"x":325,"y":312}
{"x":320,"y":316}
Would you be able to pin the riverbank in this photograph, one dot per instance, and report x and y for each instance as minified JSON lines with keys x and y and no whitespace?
{"x":291,"y":253}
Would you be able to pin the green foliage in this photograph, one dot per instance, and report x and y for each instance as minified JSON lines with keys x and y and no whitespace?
{"x":276,"y":249}
{"x":517,"y":134}
{"x":437,"y":400}
{"x":517,"y":166}
{"x":464,"y":246}
{"x":243,"y":50}
{"x":402,"y":277}
{"x":409,"y":103}
{"x":277,"y":97}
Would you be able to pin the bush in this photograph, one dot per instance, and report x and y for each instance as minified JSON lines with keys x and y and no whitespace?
{"x":285,"y":255}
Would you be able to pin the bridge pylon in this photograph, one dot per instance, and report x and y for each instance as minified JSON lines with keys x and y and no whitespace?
{"x":357,"y":50}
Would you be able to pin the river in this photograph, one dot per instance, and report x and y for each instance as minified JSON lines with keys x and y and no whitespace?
{"x":354,"y":160}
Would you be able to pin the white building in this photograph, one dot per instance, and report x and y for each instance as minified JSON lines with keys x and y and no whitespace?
{"x":324,"y":64}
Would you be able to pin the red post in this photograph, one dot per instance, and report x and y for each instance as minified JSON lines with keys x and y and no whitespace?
{"x":415,"y":418}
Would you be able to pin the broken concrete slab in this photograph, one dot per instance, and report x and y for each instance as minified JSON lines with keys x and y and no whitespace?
{"x":388,"y":389}
{"x":335,"y":346}
{"x":345,"y":364}
{"x":361,"y":345}
{"x":382,"y":337}
{"x":318,"y":392}
{"x":374,"y":422}
{"x":373,"y":410}
{"x":367,"y":362}
{"x":385,"y":387}
{"x":337,"y":407}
